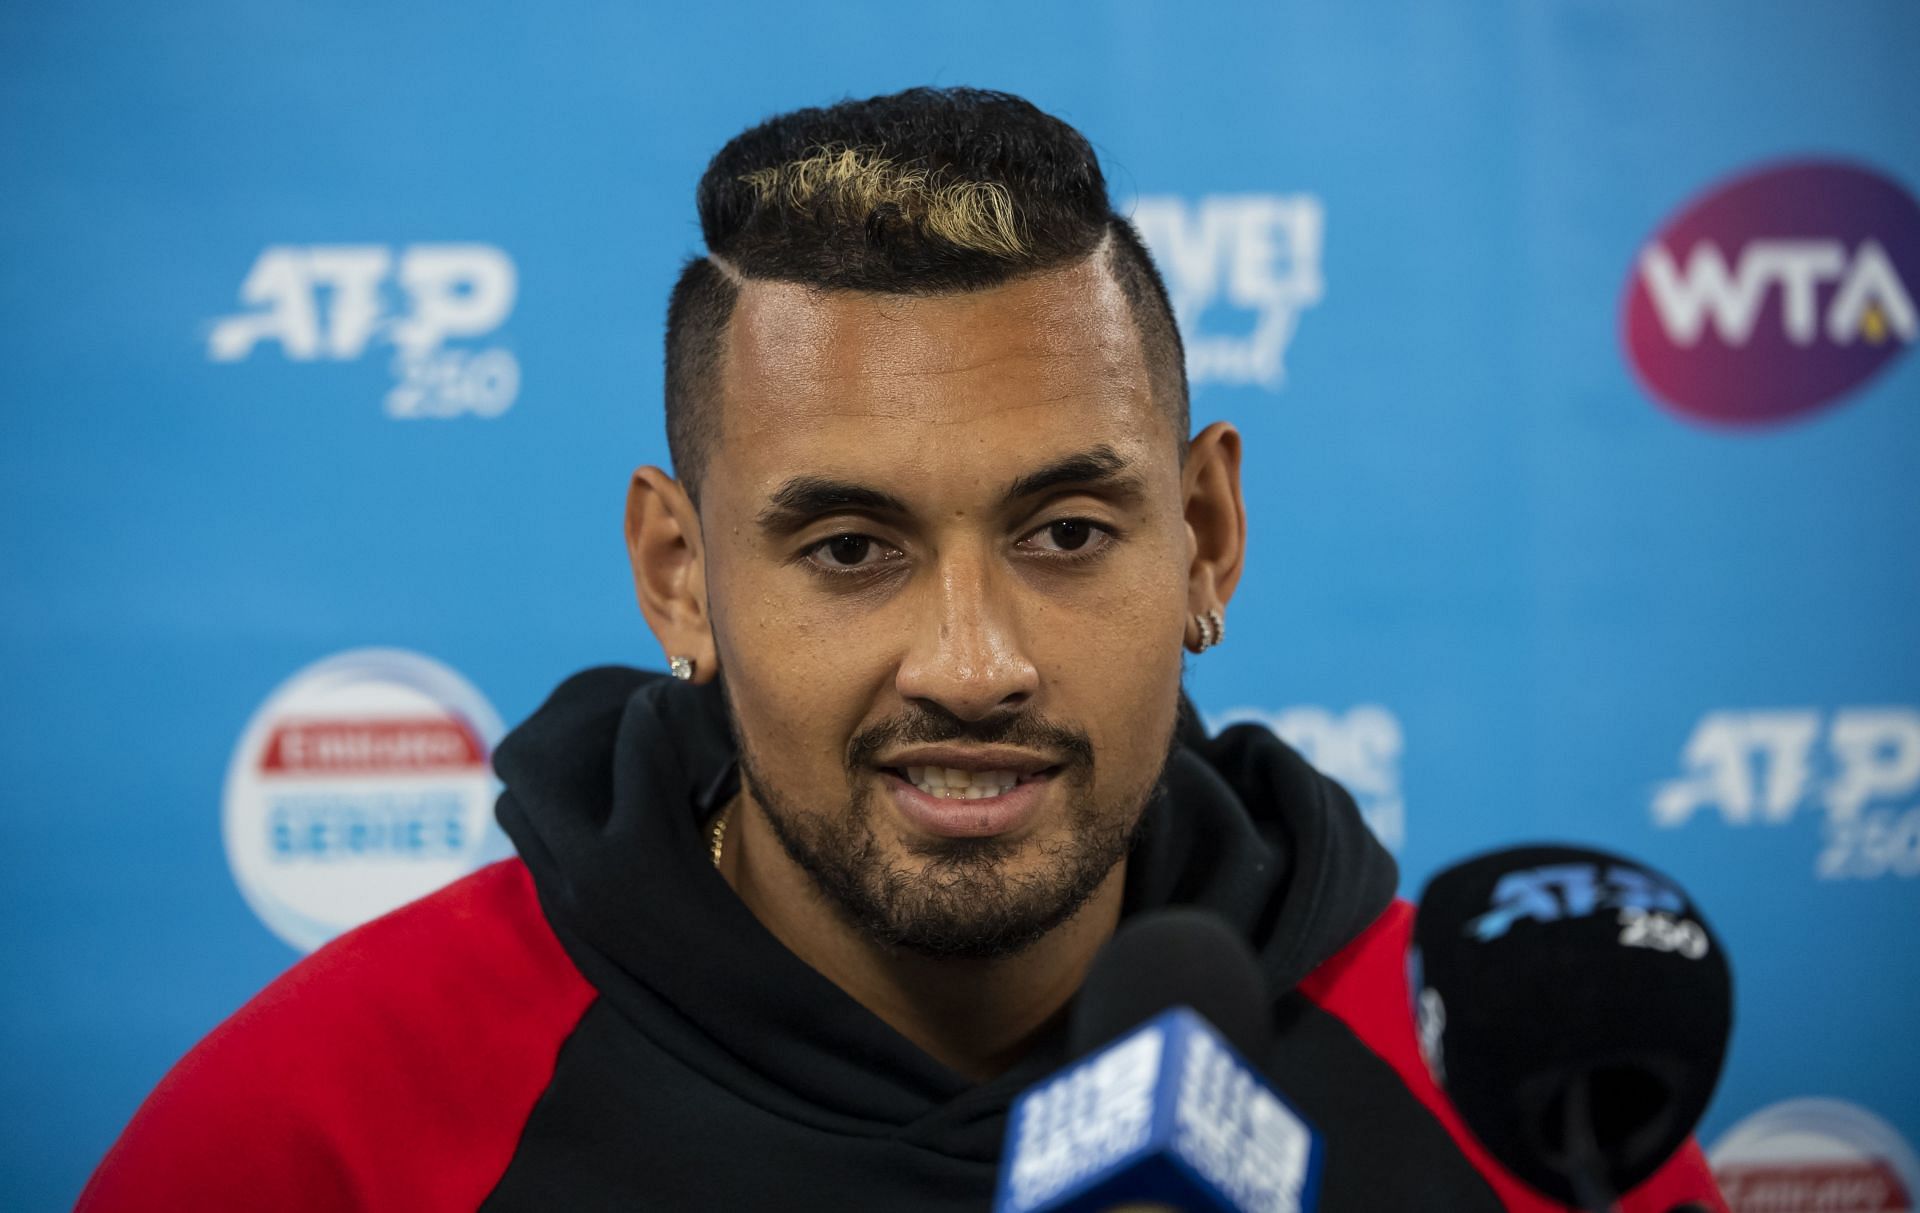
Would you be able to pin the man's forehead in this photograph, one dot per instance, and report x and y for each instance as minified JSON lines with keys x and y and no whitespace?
{"x":1058,"y":345}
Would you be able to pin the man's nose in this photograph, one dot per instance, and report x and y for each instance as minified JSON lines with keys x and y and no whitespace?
{"x":967,"y":654}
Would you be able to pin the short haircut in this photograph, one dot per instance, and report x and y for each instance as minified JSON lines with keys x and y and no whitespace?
{"x":927,"y":191}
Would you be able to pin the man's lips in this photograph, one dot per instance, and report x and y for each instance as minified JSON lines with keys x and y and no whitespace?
{"x":976,"y":816}
{"x":968,"y":760}
{"x":967,"y":776}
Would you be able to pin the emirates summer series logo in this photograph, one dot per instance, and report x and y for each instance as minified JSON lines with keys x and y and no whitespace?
{"x":1775,"y":293}
{"x":1815,"y":1156}
{"x":362,"y":783}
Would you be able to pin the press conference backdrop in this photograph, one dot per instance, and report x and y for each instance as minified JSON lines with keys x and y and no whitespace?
{"x":1569,"y":341}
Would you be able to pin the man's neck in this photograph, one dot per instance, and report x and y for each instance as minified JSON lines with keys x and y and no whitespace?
{"x":977,"y":1017}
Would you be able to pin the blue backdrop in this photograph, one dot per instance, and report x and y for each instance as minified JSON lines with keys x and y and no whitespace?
{"x":331,"y":328}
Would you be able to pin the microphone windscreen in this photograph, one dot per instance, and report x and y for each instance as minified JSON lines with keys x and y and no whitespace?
{"x":1169,"y":958}
{"x":1550,"y":974}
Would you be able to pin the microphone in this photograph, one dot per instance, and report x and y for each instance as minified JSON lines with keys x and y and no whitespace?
{"x":1163,"y":1111}
{"x":1576,"y":1009}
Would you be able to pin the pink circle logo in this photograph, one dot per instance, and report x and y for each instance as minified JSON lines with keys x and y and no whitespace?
{"x":1775,"y":293}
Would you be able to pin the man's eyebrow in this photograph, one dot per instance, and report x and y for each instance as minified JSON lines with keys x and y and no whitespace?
{"x":1100,"y":466}
{"x":804,"y":498}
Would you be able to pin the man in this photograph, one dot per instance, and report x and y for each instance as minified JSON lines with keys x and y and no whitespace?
{"x":791,"y":929}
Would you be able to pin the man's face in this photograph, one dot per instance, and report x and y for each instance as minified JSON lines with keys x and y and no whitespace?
{"x":947,"y":532}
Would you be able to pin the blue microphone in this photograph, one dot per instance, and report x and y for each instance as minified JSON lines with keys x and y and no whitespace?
{"x":1170,"y":1115}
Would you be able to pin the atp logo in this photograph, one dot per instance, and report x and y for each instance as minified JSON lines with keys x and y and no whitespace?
{"x":1857,"y":767}
{"x":1573,"y":890}
{"x":332,"y":302}
{"x":1240,"y":269}
{"x":1360,"y":749}
{"x":1775,"y":293}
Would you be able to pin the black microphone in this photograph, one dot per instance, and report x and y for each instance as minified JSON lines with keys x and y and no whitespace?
{"x":1576,"y":1008}
{"x":1162,"y":1108}
{"x":1170,"y":958}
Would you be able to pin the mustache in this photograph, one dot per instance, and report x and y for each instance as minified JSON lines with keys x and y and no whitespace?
{"x":930,"y":725}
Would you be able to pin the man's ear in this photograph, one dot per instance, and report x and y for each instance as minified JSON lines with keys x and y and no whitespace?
{"x":669,"y":571}
{"x":1216,"y":518}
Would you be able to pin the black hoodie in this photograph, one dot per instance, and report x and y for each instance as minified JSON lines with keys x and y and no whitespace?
{"x":718,"y":1070}
{"x":602,"y":1024}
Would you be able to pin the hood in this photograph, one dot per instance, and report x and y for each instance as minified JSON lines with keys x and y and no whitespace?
{"x":606,"y":789}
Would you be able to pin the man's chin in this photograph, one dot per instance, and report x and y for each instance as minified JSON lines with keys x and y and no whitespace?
{"x":934,"y":857}
{"x":978,"y":898}
{"x":963,"y":919}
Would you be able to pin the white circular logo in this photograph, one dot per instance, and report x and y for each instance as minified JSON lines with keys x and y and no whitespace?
{"x":362,"y":783}
{"x":1815,"y":1156}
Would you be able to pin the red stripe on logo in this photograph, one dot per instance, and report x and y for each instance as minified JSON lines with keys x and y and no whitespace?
{"x":372,"y":747}
{"x":1868,"y":1186}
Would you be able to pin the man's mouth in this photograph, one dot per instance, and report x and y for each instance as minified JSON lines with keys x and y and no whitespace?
{"x":951,"y":802}
{"x":952,"y":783}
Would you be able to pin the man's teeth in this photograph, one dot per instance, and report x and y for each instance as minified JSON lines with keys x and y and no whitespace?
{"x":950,"y":783}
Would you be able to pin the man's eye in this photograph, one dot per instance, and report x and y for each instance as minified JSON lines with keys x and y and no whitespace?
{"x":846,"y":552}
{"x":1075,"y":536}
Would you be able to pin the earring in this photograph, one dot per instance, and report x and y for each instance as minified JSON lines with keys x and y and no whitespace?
{"x":682,"y":668}
{"x":1212,"y":629}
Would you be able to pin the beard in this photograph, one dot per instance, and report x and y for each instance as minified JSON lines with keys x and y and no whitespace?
{"x":962,"y":901}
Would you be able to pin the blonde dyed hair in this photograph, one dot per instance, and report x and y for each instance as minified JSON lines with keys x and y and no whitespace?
{"x":856,"y":183}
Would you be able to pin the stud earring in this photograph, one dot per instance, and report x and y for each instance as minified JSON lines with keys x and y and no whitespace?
{"x":682,"y":668}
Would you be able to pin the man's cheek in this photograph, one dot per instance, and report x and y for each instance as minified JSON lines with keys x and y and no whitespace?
{"x":1125,"y":624}
{"x":765,"y":717}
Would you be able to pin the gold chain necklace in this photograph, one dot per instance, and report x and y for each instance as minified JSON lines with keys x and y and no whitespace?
{"x":719,"y":835}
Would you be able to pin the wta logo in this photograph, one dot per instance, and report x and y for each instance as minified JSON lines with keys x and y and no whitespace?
{"x":1775,"y":293}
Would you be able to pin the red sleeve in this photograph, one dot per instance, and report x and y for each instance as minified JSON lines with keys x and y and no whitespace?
{"x":1365,"y":987}
{"x":392,"y":1069}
